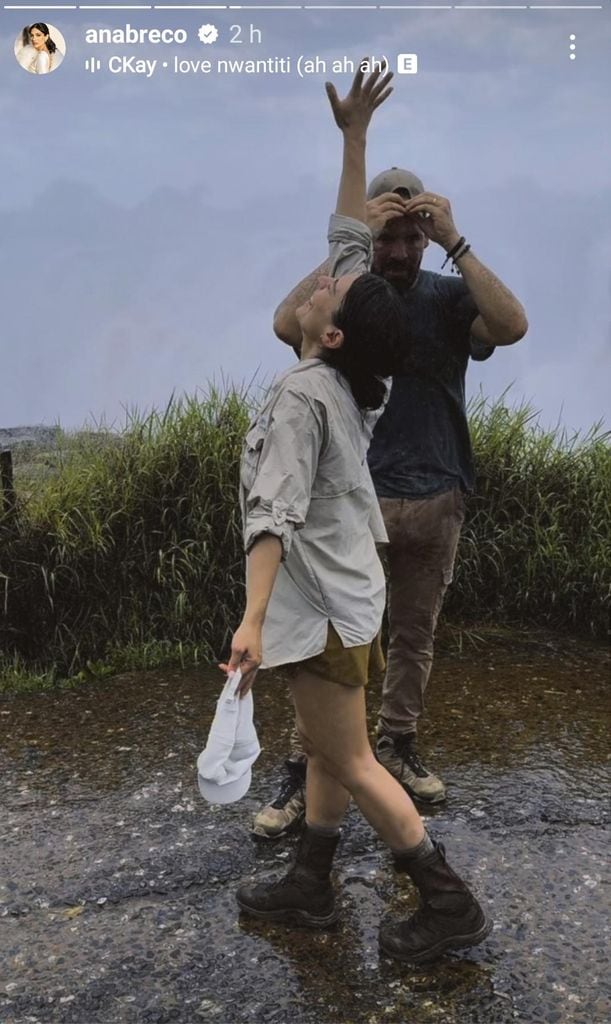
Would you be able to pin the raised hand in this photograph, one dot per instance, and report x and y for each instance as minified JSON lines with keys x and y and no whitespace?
{"x":434,"y":217}
{"x":353,"y":113}
{"x":383,"y":208}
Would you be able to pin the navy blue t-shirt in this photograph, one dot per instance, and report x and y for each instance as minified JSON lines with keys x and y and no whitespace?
{"x":421,"y":444}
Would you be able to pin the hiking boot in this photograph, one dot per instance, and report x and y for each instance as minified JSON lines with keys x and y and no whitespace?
{"x":286,"y":813}
{"x":304,"y":895}
{"x":449,"y":916}
{"x":399,"y":756}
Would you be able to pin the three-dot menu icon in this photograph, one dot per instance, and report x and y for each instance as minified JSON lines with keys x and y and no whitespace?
{"x":572,"y":46}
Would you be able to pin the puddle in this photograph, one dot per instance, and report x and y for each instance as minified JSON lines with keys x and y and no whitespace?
{"x":117,"y":881}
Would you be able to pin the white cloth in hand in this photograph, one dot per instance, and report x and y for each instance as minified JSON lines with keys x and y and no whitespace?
{"x":224,"y":766}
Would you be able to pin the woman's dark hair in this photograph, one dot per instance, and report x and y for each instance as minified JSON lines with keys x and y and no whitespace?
{"x":372,"y":319}
{"x":40,"y":25}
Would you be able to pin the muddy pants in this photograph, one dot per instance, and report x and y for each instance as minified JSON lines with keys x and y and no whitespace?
{"x":423,"y":537}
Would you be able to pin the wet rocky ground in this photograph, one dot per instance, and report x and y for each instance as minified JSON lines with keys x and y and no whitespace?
{"x":117,"y":881}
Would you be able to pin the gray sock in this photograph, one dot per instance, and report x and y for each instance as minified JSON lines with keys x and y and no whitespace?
{"x":423,"y":848}
{"x":322,"y":830}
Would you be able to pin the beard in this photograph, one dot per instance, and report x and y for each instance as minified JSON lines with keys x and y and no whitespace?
{"x":401,"y":278}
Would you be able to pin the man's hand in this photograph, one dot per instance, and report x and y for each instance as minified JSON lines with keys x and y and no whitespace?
{"x":246,"y":654}
{"x":353,"y":114}
{"x":382,"y":209}
{"x":438,"y":224}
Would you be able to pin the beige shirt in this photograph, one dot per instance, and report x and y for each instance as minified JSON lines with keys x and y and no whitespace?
{"x":305,"y":479}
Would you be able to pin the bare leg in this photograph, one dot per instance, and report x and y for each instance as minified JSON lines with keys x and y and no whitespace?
{"x":331,"y":719}
{"x":332,"y":722}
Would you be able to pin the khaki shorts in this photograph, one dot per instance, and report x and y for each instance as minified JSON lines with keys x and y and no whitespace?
{"x":350,"y":666}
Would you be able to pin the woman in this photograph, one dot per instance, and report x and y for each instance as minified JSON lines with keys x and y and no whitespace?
{"x":46,"y":56}
{"x":315,"y":585}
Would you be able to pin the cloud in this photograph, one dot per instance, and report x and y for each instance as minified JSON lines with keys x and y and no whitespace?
{"x":122,"y":305}
{"x":195,"y":204}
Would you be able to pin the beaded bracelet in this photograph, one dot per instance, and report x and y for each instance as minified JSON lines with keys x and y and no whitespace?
{"x":455,"y":248}
{"x":463,"y":252}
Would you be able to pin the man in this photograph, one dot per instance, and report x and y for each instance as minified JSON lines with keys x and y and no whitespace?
{"x":420,"y":455}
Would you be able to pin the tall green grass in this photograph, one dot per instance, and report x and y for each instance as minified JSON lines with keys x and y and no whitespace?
{"x":536,"y":547}
{"x":131,"y":554}
{"x":128,"y":552}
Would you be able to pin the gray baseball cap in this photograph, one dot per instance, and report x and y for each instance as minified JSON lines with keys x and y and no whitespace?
{"x":393,"y":180}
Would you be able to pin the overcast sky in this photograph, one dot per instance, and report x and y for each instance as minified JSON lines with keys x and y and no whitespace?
{"x":149,"y":226}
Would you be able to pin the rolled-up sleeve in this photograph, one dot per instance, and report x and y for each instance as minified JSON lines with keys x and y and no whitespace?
{"x":279,"y":498}
{"x":350,"y":246}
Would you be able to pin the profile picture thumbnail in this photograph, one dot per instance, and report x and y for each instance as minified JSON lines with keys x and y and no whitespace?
{"x":40,"y":48}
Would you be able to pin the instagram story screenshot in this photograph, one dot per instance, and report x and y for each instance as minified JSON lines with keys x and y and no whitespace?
{"x":305,"y":477}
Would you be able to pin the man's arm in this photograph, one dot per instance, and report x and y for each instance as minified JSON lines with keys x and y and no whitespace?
{"x":501,"y":319}
{"x":286,"y":326}
{"x":379,"y":211}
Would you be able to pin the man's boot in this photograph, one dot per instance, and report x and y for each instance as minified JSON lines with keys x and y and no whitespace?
{"x":287,"y":811}
{"x":303,"y":896}
{"x":449,"y":916}
{"x":399,"y":756}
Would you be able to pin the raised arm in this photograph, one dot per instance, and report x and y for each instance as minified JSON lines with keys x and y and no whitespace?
{"x":379,"y":210}
{"x":501,"y":319}
{"x":352,"y":116}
